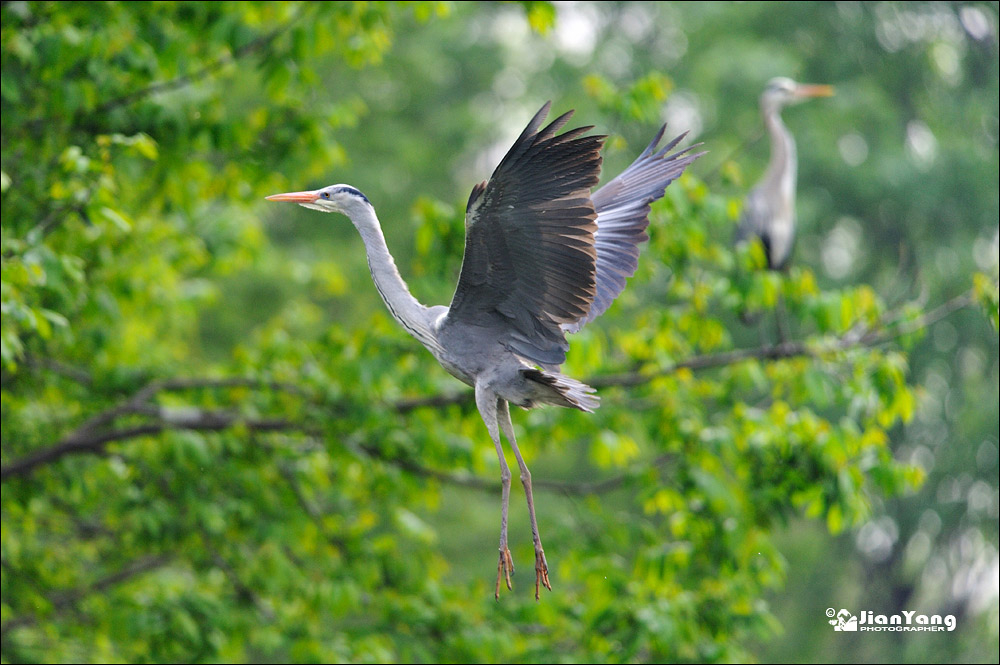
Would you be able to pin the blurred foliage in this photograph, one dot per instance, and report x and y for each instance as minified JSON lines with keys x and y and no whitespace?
{"x":217,"y":446}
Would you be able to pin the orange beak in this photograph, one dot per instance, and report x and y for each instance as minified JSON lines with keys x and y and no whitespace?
{"x":295,"y":197}
{"x":814,"y":91}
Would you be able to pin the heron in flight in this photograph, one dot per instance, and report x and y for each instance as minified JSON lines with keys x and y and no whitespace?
{"x":543,"y":257}
{"x":769,"y":209}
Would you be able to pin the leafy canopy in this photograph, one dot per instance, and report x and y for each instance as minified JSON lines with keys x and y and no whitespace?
{"x":201,"y":461}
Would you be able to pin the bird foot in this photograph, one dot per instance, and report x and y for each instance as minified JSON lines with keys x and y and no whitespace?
{"x":541,"y":572}
{"x":505,"y":568}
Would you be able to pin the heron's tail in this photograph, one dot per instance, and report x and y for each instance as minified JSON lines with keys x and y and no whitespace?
{"x":563,"y":391}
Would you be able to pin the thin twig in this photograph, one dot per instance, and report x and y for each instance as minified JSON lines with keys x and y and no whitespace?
{"x":243,"y":591}
{"x":60,"y":368}
{"x":311,"y":511}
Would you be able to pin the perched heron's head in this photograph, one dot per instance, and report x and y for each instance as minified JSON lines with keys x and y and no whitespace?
{"x":783,"y":91}
{"x":335,"y":198}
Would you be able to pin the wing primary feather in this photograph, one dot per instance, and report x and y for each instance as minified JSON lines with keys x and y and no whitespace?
{"x":530,"y":261}
{"x":622,"y":207}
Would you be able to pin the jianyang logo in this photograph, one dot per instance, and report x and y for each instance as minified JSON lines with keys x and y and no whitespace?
{"x":844,"y":621}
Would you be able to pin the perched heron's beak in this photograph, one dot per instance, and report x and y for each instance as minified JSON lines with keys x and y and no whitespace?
{"x":814,"y":91}
{"x":295,"y":197}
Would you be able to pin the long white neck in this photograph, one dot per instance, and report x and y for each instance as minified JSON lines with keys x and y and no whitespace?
{"x":782,"y":169}
{"x":406,"y":309}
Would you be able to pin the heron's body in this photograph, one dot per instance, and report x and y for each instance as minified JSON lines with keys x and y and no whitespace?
{"x":769,"y":208}
{"x":505,"y":374}
{"x":543,"y":257}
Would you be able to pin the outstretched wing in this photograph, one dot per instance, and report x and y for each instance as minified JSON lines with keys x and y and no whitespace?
{"x":529,"y":261}
{"x":622,"y":217}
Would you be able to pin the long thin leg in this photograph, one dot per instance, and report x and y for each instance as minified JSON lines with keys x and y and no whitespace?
{"x":487,"y":403}
{"x":541,"y":567}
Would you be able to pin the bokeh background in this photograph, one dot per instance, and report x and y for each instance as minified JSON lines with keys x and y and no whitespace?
{"x":217,"y":446}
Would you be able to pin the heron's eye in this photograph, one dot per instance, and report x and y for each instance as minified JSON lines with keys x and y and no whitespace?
{"x":326,"y":195}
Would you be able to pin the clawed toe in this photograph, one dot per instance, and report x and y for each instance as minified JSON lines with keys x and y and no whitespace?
{"x":541,"y":572}
{"x":505,"y":568}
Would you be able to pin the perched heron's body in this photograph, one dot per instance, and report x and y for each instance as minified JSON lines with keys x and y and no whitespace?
{"x":542,"y":258}
{"x":769,"y":208}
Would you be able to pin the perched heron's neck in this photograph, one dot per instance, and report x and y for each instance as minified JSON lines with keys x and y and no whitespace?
{"x":782,"y":169}
{"x":390,"y":285}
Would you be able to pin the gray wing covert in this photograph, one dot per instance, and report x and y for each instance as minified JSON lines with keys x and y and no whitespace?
{"x":529,"y":263}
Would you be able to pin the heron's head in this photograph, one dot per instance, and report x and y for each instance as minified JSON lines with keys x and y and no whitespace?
{"x":335,"y":198}
{"x":783,"y":91}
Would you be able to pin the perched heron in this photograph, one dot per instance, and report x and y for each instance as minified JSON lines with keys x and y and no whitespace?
{"x":543,"y":256}
{"x":769,"y":209}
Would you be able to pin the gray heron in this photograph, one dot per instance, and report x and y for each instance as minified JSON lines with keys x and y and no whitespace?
{"x":769,"y":208}
{"x":543,"y":257}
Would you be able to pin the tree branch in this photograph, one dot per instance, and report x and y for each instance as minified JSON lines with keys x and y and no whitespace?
{"x":86,"y":441}
{"x":94,"y":435}
{"x":175,"y":83}
{"x":187,"y":79}
{"x":472,"y":481}
{"x":63,"y":599}
{"x":864,"y":338}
